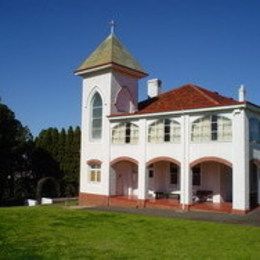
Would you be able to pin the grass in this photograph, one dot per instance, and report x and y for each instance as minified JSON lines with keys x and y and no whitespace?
{"x":52,"y":232}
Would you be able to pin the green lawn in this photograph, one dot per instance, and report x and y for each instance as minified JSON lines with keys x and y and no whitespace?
{"x":54,"y":232}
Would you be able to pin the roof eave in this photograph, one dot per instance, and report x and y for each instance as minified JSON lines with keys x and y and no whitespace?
{"x":253,"y":107}
{"x":184,"y":111}
{"x":112,"y":65}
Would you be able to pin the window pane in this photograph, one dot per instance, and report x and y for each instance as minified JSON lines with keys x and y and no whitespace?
{"x":214,"y":128}
{"x":174,"y":178}
{"x":164,"y":131}
{"x":92,"y":176}
{"x":214,"y":136}
{"x":125,"y":133}
{"x":127,"y":139}
{"x":98,"y":176}
{"x":97,"y":101}
{"x":96,"y":117}
{"x":97,"y":112}
{"x":254,"y":129}
{"x":167,"y":138}
{"x":175,"y":132}
{"x":127,"y":130}
{"x":196,"y":176}
{"x":96,"y":123}
{"x":167,"y":129}
{"x":96,"y":133}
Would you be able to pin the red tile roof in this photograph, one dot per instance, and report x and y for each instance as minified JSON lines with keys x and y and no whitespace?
{"x":183,"y":98}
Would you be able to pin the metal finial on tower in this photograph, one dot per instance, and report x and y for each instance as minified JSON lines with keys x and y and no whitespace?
{"x":112,"y":26}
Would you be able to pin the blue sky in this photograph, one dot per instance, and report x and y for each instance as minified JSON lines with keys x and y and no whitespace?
{"x":215,"y":44}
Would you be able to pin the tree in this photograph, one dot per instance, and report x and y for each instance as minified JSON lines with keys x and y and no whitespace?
{"x":71,"y":170}
{"x":46,"y":154}
{"x":25,"y":164}
{"x":57,"y":156}
{"x":15,"y":141}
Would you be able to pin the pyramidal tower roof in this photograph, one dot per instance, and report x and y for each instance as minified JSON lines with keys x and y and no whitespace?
{"x":111,"y":52}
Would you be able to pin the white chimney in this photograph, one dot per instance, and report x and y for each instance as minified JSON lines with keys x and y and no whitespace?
{"x":154,"y":87}
{"x":242,"y":93}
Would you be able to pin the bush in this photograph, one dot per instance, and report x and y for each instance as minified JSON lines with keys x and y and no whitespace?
{"x":47,"y":187}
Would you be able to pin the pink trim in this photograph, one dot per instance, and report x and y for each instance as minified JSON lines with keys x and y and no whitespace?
{"x":163,"y":158}
{"x":94,"y":161}
{"x":211,"y":159}
{"x":123,"y":158}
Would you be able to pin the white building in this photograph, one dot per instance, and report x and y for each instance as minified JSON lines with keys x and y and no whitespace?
{"x":188,"y":148}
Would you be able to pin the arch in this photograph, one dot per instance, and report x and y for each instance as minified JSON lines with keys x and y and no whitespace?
{"x":123,"y":158}
{"x":94,"y":161}
{"x":171,"y":120}
{"x":92,"y":93}
{"x":211,"y":159}
{"x":163,"y":158}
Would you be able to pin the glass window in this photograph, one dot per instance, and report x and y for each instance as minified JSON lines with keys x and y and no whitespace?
{"x":164,"y":130}
{"x":96,"y":116}
{"x":254,"y":130}
{"x":173,"y":173}
{"x":125,"y":133}
{"x":211,"y":128}
{"x":151,"y":173}
{"x":95,"y":173}
{"x":196,"y":176}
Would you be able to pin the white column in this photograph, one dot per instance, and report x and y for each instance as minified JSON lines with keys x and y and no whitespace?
{"x":240,"y":161}
{"x":142,"y":171}
{"x":112,"y":181}
{"x":186,"y":190}
{"x":142,"y":181}
{"x":186,"y":175}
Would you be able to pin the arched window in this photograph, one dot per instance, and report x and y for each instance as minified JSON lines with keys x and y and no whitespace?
{"x":164,"y":130}
{"x":211,"y":128}
{"x":96,"y":117}
{"x":125,"y":133}
{"x":254,"y":130}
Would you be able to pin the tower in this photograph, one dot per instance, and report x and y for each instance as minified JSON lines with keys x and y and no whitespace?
{"x":110,"y":86}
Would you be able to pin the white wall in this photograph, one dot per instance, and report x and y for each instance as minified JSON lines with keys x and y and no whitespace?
{"x":108,"y":84}
{"x":237,"y":151}
{"x":95,"y":149}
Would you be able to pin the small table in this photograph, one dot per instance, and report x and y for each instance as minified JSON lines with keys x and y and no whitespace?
{"x":204,"y":195}
{"x":176,"y":193}
{"x":159,"y":194}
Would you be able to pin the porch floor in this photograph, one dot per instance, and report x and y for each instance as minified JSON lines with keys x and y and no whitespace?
{"x":224,"y":207}
{"x":123,"y":201}
{"x":174,"y":204}
{"x":163,"y":204}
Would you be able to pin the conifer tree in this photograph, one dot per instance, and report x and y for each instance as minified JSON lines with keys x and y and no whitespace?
{"x":60,"y":152}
